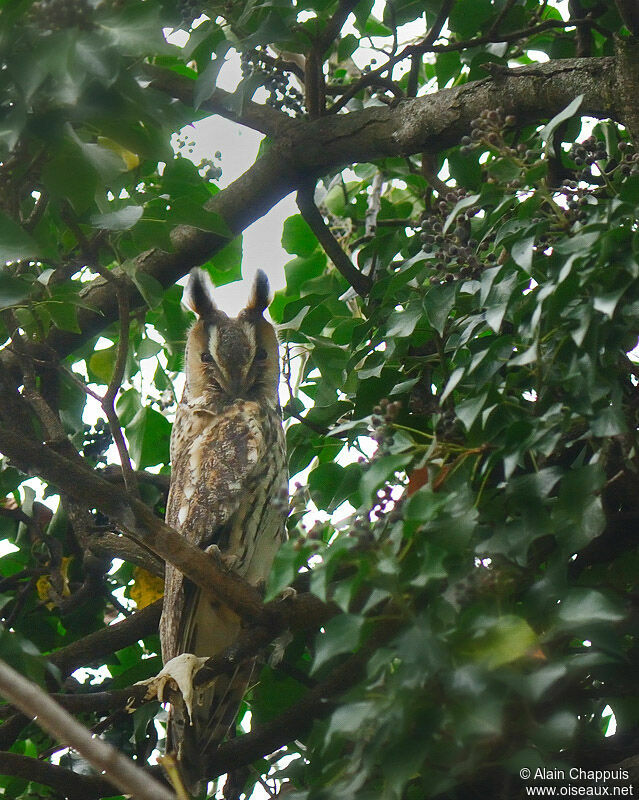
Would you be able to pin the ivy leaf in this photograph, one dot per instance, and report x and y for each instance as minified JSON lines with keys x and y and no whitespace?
{"x":120,"y":220}
{"x":583,"y":607}
{"x":548,"y":130}
{"x":341,"y":635}
{"x":13,"y":291}
{"x":15,"y":243}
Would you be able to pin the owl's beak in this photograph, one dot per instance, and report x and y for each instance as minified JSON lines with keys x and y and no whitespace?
{"x":237,"y":385}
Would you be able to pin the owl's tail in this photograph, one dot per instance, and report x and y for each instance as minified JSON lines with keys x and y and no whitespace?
{"x":195,"y":741}
{"x":211,"y":629}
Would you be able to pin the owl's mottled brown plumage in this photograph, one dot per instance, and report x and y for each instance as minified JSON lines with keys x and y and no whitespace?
{"x":228,"y":465}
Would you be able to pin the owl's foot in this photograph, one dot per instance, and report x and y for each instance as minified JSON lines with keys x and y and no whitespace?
{"x":227,"y":561}
{"x":286,"y":593}
{"x":279,"y":648}
{"x":178,"y":673}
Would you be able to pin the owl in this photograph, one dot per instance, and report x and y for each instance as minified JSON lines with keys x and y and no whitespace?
{"x":228,"y":469}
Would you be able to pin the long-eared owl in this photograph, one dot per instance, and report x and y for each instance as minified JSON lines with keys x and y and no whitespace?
{"x":228,"y":467}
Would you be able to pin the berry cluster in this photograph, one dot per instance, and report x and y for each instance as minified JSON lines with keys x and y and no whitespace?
{"x":576,"y":200}
{"x":382,"y":425}
{"x":586,"y":154}
{"x":209,"y":170}
{"x":282,"y":95}
{"x":488,"y":130}
{"x":184,"y":144}
{"x":96,"y":441}
{"x":455,"y":253}
{"x":630,"y":159}
{"x":57,"y":14}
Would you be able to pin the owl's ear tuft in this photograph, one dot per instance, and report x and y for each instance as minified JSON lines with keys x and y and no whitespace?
{"x":260,"y":293}
{"x":198,"y":293}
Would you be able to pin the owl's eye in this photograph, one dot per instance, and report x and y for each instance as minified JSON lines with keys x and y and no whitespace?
{"x":206,"y":357}
{"x":260,"y":354}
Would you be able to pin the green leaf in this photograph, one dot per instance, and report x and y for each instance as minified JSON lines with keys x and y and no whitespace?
{"x":460,"y":205}
{"x":341,"y":635}
{"x":500,"y":641}
{"x":568,"y":112}
{"x":468,"y":410}
{"x":297,"y":238}
{"x":469,"y":16}
{"x":226,"y":265}
{"x":15,"y":243}
{"x":148,"y":434}
{"x":205,"y":83}
{"x":148,"y":286}
{"x":137,"y":31}
{"x":583,"y":607}
{"x":438,"y":303}
{"x":609,"y":422}
{"x":13,"y":291}
{"x":403,"y":323}
{"x":120,"y":220}
{"x":102,"y":362}
{"x":522,"y":252}
{"x":70,"y":176}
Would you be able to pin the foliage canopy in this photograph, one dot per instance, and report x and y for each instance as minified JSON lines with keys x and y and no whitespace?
{"x":460,"y":311}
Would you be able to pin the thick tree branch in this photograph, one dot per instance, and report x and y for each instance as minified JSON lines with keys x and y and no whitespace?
{"x":308,"y":149}
{"x":135,"y":518}
{"x":121,"y":772}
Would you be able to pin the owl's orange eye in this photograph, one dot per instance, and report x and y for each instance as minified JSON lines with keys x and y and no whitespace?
{"x":207,"y":358}
{"x":260,"y":354}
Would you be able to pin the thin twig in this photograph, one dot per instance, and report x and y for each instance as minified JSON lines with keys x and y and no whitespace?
{"x":108,"y":401}
{"x":427,"y":46}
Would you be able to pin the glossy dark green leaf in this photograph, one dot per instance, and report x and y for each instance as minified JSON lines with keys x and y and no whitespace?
{"x":341,"y":635}
{"x":15,"y":243}
{"x":119,"y":220}
{"x":13,"y":291}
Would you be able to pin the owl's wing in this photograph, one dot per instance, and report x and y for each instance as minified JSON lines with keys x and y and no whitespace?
{"x":216,"y":459}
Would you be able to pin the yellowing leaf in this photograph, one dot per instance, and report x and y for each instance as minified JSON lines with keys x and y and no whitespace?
{"x":132,"y":160}
{"x":43,"y":584}
{"x":146,"y":589}
{"x":501,"y":641}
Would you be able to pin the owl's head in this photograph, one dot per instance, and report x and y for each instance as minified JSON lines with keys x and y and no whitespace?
{"x":230,"y":358}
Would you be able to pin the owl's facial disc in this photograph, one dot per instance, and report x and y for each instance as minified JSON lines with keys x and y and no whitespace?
{"x":234,"y":362}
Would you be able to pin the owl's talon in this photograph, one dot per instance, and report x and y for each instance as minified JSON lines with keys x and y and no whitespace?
{"x":286,"y":593}
{"x":178,"y":673}
{"x":279,"y":648}
{"x":228,"y":561}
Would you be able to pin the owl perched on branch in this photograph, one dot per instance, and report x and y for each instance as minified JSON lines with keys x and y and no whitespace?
{"x":228,"y":471}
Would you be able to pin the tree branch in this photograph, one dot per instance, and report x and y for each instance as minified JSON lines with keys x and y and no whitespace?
{"x":102,"y":643}
{"x":306,"y":204}
{"x":307,"y":149}
{"x":82,"y":484}
{"x":69,"y":784}
{"x":258,"y":117}
{"x":121,"y":772}
{"x":297,"y":720}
